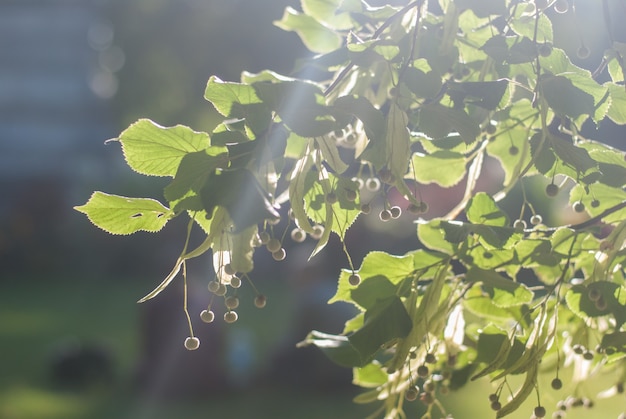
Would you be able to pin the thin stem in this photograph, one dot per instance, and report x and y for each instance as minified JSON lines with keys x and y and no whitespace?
{"x":185,"y":309}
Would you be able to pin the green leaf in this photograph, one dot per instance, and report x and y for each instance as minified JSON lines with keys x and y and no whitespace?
{"x":328,"y":147}
{"x":385,"y":321}
{"x":194,"y":170}
{"x":438,"y":121}
{"x":336,"y":217}
{"x":491,"y":258}
{"x":153,"y":150}
{"x":431,"y":235}
{"x":422,"y":84}
{"x":543,"y":157}
{"x":617,"y":111}
{"x":571,"y":155}
{"x":615,"y":69}
{"x":503,"y":292}
{"x":225,"y":96}
{"x":427,"y":168}
{"x":240,"y":194}
{"x":369,"y":376}
{"x":398,"y":141}
{"x":493,"y":349}
{"x":565,"y":98}
{"x":512,"y":163}
{"x":315,"y":36}
{"x":298,"y":188}
{"x":300,"y":105}
{"x":327,"y":12}
{"x":607,"y":196}
{"x":425,"y":259}
{"x":377,"y":287}
{"x":482,"y":209}
{"x":372,"y":118}
{"x":121,"y":215}
{"x":535,"y":252}
{"x":511,"y":49}
{"x":337,"y":348}
{"x":224,"y":134}
{"x":242,"y":249}
{"x":526,"y":24}
{"x":522,"y":394}
{"x":601,"y":99}
{"x":615,"y":340}
{"x":395,"y":269}
{"x":582,"y":305}
{"x":486,"y":94}
{"x":364,"y":53}
{"x":480,"y":303}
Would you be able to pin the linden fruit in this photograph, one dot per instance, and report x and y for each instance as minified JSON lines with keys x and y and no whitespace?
{"x":540,"y":411}
{"x":231,"y":302}
{"x":273,"y":245}
{"x":496,"y":405}
{"x":235,"y":282}
{"x":228,"y":269}
{"x":192,"y":343}
{"x":280,"y":254}
{"x":411,"y":393}
{"x":260,"y":301}
{"x":318,"y":230}
{"x":552,"y":190}
{"x":207,"y":316}
{"x":423,"y":371}
{"x":545,"y":50}
{"x":221,"y":290}
{"x":385,"y":215}
{"x":298,"y":235}
{"x":230,"y":316}
{"x":583,"y":52}
{"x":372,"y":184}
{"x":214,"y":286}
{"x":354,"y":279}
{"x":351,"y":195}
{"x":578,"y":206}
{"x":561,"y":6}
{"x":264,"y":236}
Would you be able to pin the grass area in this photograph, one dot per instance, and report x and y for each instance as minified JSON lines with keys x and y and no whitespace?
{"x":36,"y":315}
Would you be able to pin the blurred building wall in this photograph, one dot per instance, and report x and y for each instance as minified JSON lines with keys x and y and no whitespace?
{"x":54,"y":116}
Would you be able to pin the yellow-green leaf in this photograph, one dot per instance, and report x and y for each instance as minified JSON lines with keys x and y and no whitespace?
{"x":121,"y":215}
{"x":153,"y":150}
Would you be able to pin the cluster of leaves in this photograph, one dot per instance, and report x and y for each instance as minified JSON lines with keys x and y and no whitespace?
{"x":408,"y":91}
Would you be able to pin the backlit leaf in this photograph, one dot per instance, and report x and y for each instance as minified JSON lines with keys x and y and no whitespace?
{"x":151,"y":149}
{"x":427,"y":168}
{"x":482,"y":209}
{"x":385,"y":321}
{"x":121,"y":215}
{"x":315,"y":36}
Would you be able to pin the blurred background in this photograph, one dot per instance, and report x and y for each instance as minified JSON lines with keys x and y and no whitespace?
{"x":73,"y":342}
